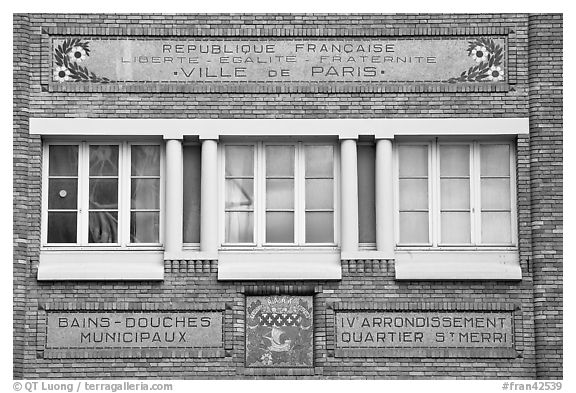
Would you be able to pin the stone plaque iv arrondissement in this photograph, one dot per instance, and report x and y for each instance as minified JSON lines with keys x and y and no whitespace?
{"x":424,"y":333}
{"x":279,"y":331}
{"x":279,"y":61}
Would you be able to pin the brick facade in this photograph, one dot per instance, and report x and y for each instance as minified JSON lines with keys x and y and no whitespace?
{"x":534,"y":90}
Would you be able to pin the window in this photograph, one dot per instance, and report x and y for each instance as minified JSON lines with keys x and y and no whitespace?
{"x":456,"y":194}
{"x":367,"y":195}
{"x":191,"y":188}
{"x":102,"y":194}
{"x":279,"y":194}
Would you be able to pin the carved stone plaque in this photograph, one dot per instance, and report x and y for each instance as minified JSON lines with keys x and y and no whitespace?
{"x":116,"y":330}
{"x":279,"y":331}
{"x":404,"y":333}
{"x":280,"y":61}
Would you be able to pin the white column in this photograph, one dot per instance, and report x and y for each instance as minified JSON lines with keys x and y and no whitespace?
{"x":174,"y":197}
{"x":209,"y":197}
{"x":384,"y":197}
{"x":349,"y":195}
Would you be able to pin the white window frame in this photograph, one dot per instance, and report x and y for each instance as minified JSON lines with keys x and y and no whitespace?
{"x":124,"y":189}
{"x":260,"y":195}
{"x":434,"y":223}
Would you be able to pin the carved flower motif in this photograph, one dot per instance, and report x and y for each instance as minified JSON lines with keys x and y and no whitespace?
{"x":62,"y":74}
{"x":267,"y":358}
{"x":495,"y":74}
{"x":77,"y":54}
{"x":480,"y":53}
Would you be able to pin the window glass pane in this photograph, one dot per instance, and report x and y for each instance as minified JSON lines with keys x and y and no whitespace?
{"x":454,"y":160}
{"x":63,"y":160}
{"x":62,"y":193}
{"x":145,"y":160}
{"x":496,"y":228}
{"x":103,"y":227}
{"x":145,"y":194}
{"x":319,"y":227}
{"x":103,"y":160}
{"x":103,"y":194}
{"x":495,"y":193}
{"x":279,"y":194}
{"x":455,"y":194}
{"x":62,"y":227}
{"x":319,"y":193}
{"x":413,"y":227}
{"x":455,"y":227}
{"x":366,"y":194}
{"x":192,"y":162}
{"x":144,"y":227}
{"x":279,"y":227}
{"x":319,"y":161}
{"x":279,"y":161}
{"x":413,"y":194}
{"x":239,"y":160}
{"x":239,"y":227}
{"x":413,"y":160}
{"x":240,"y":194}
{"x":495,"y":160}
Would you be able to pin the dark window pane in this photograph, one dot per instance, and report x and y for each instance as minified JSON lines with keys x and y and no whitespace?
{"x":145,"y":194}
{"x":319,"y":161}
{"x":239,"y":227}
{"x":103,"y":227}
{"x":414,"y":227}
{"x":63,"y":160}
{"x":239,"y":160}
{"x":63,"y":194}
{"x":279,"y":227}
{"x":279,"y":161}
{"x":319,"y":193}
{"x":412,"y":161}
{"x":145,"y":160}
{"x":103,"y":160}
{"x":192,"y":162}
{"x":62,"y":227}
{"x":319,"y":227}
{"x":366,"y":194}
{"x":144,"y":227}
{"x":103,"y":194}
{"x":240,"y":194}
{"x":279,"y":194}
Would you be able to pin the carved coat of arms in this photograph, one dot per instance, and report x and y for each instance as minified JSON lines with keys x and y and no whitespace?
{"x":279,"y":331}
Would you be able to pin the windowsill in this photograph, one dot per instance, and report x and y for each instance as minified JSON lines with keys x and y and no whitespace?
{"x":458,"y":264}
{"x":365,"y":254}
{"x":300,"y":264}
{"x":98,"y":264}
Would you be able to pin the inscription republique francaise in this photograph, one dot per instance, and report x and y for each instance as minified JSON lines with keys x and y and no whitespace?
{"x":275,"y":60}
{"x":335,"y":59}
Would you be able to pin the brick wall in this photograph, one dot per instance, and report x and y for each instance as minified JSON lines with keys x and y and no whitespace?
{"x":20,"y":185}
{"x":366,"y":281}
{"x":545,"y":33}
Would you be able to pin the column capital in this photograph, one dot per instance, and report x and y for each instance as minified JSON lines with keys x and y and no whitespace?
{"x":173,"y":135}
{"x":208,"y":137}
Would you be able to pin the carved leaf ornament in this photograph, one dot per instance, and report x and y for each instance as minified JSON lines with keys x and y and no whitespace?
{"x":489,"y":57}
{"x":68,"y":57}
